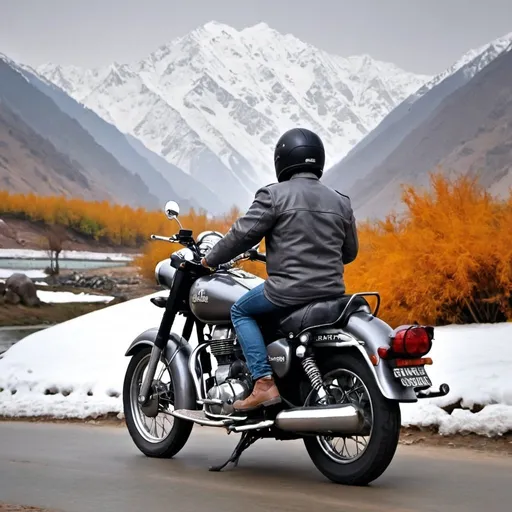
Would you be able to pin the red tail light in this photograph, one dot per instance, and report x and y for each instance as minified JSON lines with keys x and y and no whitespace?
{"x":410,"y":341}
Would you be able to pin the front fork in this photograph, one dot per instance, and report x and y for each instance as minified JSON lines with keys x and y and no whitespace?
{"x":162,"y":336}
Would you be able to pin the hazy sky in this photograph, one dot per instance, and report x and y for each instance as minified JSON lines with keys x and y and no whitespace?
{"x":423,"y":36}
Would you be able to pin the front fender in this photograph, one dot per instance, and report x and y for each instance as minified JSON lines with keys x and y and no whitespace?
{"x":366,"y":334}
{"x":177,"y":353}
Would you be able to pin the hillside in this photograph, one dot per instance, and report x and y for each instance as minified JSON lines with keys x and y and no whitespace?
{"x":470,"y":132}
{"x":395,"y":127}
{"x":17,"y":233}
{"x":29,"y":162}
{"x":215,"y":101}
{"x":99,"y":170}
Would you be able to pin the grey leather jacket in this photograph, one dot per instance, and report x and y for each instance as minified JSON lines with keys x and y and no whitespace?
{"x":310,"y":234}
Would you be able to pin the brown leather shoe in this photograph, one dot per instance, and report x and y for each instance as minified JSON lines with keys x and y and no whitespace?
{"x":265,"y":393}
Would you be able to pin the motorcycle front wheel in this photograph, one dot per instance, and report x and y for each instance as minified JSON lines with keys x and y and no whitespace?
{"x":356,"y":460}
{"x":153,"y":429}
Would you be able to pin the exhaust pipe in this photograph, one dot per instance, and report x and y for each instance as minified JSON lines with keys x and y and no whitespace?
{"x":339,"y":419}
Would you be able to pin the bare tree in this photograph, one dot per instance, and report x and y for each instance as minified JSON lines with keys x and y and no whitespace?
{"x":55,"y":236}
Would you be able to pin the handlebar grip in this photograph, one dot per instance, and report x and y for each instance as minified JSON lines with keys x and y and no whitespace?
{"x":254,"y":255}
{"x":170,"y":239}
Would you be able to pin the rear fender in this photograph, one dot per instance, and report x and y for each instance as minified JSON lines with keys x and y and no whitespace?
{"x":366,"y":333}
{"x":177,"y":352}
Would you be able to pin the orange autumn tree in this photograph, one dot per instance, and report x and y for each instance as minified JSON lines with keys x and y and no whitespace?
{"x":100,"y":220}
{"x":448,"y":259}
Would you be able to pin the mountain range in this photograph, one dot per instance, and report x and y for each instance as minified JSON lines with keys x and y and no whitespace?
{"x":197,"y":120}
{"x":215,"y":101}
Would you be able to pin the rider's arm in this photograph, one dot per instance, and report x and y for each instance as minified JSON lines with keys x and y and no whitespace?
{"x":351,"y":243}
{"x":246,"y":231}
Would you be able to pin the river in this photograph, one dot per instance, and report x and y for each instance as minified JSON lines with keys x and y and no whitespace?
{"x":71,"y":264}
{"x":11,"y":335}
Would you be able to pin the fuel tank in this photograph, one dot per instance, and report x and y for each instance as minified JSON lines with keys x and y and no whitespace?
{"x":211,"y":297}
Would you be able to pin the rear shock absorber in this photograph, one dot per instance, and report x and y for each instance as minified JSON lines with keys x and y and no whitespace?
{"x":313,"y":373}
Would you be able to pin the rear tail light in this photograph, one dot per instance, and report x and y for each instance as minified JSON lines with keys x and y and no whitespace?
{"x":409,"y":341}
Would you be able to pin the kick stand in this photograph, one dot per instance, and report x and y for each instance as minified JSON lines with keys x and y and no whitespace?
{"x":248,"y":438}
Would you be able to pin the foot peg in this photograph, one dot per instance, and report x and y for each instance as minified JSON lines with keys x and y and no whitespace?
{"x":444,"y":389}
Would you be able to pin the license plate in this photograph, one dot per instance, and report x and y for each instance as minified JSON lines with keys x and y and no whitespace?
{"x":412,"y":377}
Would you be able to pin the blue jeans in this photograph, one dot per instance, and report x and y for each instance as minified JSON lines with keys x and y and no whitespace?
{"x":249,"y":335}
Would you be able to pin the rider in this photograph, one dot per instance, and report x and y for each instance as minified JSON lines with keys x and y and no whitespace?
{"x":310,"y":233}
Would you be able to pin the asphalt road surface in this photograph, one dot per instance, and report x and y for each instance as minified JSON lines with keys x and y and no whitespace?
{"x":81,"y":468}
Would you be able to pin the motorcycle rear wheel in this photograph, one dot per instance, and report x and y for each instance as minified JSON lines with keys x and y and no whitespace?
{"x":379,"y":450}
{"x":151,"y":443}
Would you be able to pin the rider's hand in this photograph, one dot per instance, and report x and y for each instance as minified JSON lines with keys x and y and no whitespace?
{"x":204,"y":263}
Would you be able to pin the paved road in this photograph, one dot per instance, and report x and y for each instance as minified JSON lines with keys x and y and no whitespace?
{"x":80,"y":468}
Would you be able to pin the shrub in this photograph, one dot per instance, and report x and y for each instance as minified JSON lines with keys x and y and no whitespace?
{"x":448,"y":259}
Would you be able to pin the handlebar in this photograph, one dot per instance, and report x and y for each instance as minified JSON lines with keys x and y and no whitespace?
{"x":251,"y":254}
{"x":185,"y":238}
{"x":170,"y":239}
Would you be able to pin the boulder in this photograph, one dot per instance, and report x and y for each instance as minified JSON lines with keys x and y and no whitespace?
{"x":24,"y":287}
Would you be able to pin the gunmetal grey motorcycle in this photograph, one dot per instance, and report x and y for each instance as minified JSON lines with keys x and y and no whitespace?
{"x":341,"y":371}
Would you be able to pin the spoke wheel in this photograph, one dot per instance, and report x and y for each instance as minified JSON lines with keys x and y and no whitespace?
{"x":153,"y":421}
{"x":347,"y":388}
{"x":152,"y":427}
{"x":355,"y":460}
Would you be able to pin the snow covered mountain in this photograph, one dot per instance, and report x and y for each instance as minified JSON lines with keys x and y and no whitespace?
{"x":215,"y":101}
{"x":471,"y":63}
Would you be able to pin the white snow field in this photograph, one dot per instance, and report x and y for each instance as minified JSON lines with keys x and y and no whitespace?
{"x":76,"y":369}
{"x":61,"y":297}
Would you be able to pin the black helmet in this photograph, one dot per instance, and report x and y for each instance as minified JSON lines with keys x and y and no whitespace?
{"x":298,"y":150}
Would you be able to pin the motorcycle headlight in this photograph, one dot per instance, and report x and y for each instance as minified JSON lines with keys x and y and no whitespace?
{"x":206,"y":240}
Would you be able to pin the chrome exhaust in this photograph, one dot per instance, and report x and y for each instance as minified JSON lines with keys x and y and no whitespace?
{"x":328,"y":419}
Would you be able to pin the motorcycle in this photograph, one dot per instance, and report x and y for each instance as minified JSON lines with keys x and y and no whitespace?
{"x":341,"y":371}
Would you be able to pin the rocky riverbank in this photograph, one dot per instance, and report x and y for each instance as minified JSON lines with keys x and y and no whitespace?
{"x":106,"y":283}
{"x":122,"y":283}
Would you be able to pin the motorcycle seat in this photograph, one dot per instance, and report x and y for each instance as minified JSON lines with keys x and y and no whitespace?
{"x":320,"y":313}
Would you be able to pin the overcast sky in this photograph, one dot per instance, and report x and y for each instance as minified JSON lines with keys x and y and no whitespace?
{"x":424,"y":36}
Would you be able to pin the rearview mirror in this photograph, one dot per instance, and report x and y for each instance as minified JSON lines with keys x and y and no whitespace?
{"x":172,"y":210}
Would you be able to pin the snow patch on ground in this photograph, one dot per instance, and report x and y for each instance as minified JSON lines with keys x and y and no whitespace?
{"x":82,"y":358}
{"x":76,"y":369}
{"x":64,"y":297}
{"x":475,"y":361}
